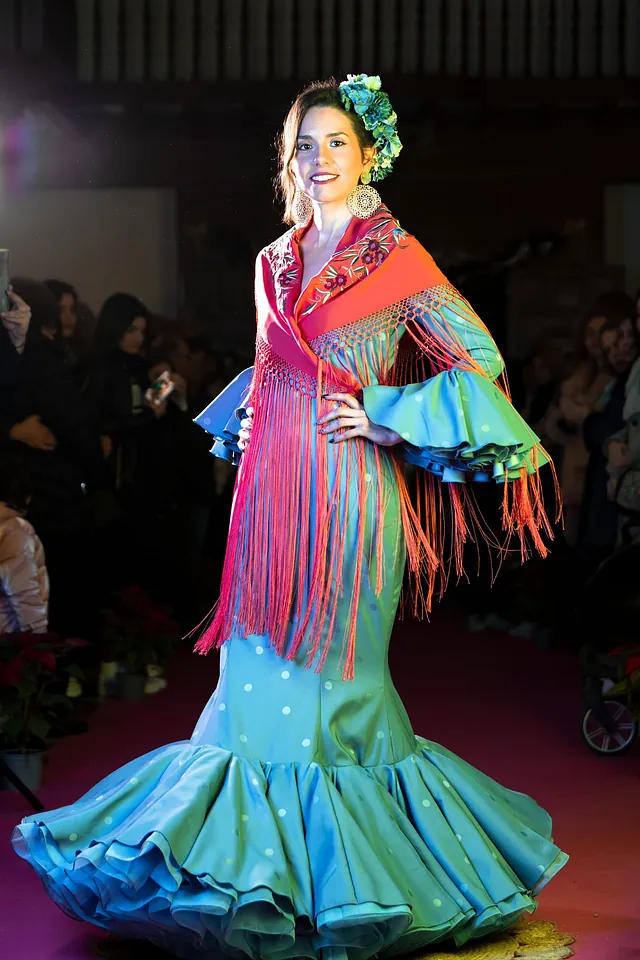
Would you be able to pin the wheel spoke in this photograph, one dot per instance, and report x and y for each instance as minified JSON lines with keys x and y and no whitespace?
{"x":606,"y":741}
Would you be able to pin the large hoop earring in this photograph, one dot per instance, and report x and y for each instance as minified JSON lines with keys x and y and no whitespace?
{"x":301,"y":208}
{"x":363,"y":201}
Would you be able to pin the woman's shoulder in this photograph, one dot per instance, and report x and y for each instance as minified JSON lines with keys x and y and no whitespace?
{"x":276,"y":248}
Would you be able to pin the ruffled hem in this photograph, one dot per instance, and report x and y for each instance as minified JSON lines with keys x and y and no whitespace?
{"x":459,"y":426}
{"x":205,"y":853}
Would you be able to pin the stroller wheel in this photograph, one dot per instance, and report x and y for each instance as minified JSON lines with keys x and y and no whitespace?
{"x":610,"y":742}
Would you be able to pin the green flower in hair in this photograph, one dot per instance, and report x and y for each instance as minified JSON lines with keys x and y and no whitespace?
{"x":363,"y":94}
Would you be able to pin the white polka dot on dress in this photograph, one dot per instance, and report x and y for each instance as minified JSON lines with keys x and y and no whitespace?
{"x":222,"y":707}
{"x":229,"y":861}
{"x":485,"y":428}
{"x":328,"y":685}
{"x":418,"y":398}
{"x":286,"y":711}
{"x":306,"y":742}
{"x":437,"y":903}
{"x":426,"y":803}
{"x":380,"y":734}
{"x":255,"y":781}
{"x":269,"y":852}
{"x":248,"y":687}
{"x":405,"y":436}
{"x":243,"y":738}
{"x":285,"y":674}
{"x":282,"y":812}
{"x":245,"y":818}
{"x":73,"y":836}
{"x":108,"y":820}
{"x":133,"y":781}
{"x":259,"y":651}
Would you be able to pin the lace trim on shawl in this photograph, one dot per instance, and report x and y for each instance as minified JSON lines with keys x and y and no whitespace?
{"x":383,"y":321}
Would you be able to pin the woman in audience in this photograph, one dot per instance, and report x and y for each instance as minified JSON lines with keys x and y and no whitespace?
{"x":599,"y":519}
{"x":115,"y":387}
{"x":53,"y":435}
{"x":71,"y":343}
{"x":581,"y":393}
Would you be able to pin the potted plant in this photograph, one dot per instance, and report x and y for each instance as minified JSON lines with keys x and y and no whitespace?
{"x":138,"y":634}
{"x":32,"y":669}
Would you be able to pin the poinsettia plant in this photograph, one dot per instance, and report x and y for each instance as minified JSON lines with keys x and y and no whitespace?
{"x":31,"y":667}
{"x":138,"y":631}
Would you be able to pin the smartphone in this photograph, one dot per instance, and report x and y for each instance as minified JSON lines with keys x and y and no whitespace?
{"x":5,"y":303}
{"x":160,"y":389}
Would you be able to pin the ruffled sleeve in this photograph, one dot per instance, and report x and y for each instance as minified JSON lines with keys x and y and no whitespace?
{"x":458,"y":424}
{"x":223,"y":415}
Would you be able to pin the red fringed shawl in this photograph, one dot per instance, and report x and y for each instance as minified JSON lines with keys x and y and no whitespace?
{"x":284,"y":574}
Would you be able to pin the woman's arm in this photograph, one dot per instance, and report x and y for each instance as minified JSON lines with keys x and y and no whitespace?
{"x":24,"y":576}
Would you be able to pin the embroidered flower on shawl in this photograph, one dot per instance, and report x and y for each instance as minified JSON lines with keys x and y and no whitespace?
{"x":357,"y":261}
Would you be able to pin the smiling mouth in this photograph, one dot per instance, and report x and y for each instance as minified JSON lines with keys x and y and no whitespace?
{"x":323,"y":177}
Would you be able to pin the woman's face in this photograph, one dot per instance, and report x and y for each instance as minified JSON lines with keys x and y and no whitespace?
{"x":68,"y":314}
{"x":328,"y":160}
{"x":132,"y":339}
{"x":592,"y":340}
{"x":620,"y":347}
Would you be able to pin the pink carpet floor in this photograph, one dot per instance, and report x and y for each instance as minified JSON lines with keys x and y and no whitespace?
{"x":501,"y":704}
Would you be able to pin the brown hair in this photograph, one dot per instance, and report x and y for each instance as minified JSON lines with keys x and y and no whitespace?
{"x":320,"y":93}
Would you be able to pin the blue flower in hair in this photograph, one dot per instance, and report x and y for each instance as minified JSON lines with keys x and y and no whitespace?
{"x":364,"y":95}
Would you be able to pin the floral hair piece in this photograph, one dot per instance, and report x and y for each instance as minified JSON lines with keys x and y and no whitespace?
{"x":372,"y":105}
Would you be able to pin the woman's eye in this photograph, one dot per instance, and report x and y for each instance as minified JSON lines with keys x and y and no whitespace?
{"x":303,"y":146}
{"x":338,"y":143}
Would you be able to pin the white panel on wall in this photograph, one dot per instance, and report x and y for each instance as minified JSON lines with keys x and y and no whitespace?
{"x":622,"y":230}
{"x":101,"y":241}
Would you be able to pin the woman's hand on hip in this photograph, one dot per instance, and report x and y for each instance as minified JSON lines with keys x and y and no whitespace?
{"x":244,"y":434}
{"x":351,"y":417}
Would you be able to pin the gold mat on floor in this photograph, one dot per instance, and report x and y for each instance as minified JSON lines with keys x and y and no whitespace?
{"x":527,"y":940}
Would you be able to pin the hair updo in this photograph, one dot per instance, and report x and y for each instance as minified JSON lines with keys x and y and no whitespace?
{"x":320,"y":93}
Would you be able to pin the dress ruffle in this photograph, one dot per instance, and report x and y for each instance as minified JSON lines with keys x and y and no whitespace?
{"x":205,"y":853}
{"x":221,"y":418}
{"x":446,"y":422}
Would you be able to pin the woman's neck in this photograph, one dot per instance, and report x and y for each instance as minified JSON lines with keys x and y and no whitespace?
{"x":328,"y":225}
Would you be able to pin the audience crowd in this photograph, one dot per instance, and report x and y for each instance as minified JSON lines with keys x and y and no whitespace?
{"x":107,"y":480}
{"x":100,"y":473}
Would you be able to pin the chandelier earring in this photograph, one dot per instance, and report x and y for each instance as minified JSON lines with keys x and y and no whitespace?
{"x":363,"y":201}
{"x":302,"y":209}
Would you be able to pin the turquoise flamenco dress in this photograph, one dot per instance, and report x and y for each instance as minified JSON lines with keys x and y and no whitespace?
{"x":305,"y":817}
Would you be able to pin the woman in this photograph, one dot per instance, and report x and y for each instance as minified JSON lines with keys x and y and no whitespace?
{"x":579,"y":395}
{"x":115,"y":390}
{"x":600,"y":517}
{"x":304,"y":818}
